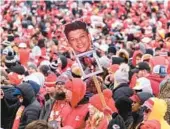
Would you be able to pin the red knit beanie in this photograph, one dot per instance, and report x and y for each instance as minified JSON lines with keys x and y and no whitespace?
{"x":50,"y":80}
{"x":96,"y":102}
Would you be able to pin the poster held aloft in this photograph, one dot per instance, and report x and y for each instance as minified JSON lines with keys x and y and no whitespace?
{"x":89,"y":64}
{"x":79,"y":39}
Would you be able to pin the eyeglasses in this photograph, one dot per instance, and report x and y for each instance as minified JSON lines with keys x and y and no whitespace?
{"x":60,"y":83}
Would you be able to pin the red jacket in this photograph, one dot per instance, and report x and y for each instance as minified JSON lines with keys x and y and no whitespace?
{"x":135,"y":54}
{"x":60,"y":111}
{"x":158,"y":60}
{"x":133,"y":81}
{"x":155,"y":82}
{"x":24,"y":56}
{"x":76,"y":118}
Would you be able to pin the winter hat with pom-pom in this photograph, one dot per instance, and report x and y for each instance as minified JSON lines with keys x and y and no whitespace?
{"x":76,"y":72}
{"x":122,"y":74}
{"x":10,"y":60}
{"x":96,"y":102}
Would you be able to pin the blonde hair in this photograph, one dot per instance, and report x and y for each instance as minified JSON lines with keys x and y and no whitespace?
{"x":96,"y":118}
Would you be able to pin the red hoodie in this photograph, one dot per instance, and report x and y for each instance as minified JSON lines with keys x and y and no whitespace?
{"x":135,"y":54}
{"x":24,"y":56}
{"x":76,"y":118}
{"x":133,"y":81}
{"x":155,"y":82}
{"x":158,"y":60}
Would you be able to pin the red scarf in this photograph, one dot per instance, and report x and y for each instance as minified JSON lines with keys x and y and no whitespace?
{"x":18,"y":117}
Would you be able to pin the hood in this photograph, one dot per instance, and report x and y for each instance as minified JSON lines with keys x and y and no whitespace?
{"x":27,"y":93}
{"x":155,"y":77}
{"x":151,"y":124}
{"x":135,"y":54}
{"x":158,"y":60}
{"x":159,"y":109}
{"x":78,"y":89}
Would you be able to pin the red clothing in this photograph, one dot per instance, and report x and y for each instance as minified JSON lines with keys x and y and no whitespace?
{"x":158,"y":60}
{"x":24,"y":56}
{"x":135,"y":54}
{"x":103,"y":124}
{"x":43,"y":51}
{"x":76,"y":118}
{"x":60,"y":111}
{"x":155,"y":82}
{"x":133,"y":81}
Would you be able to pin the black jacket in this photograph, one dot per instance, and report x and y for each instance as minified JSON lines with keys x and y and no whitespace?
{"x":116,"y":122}
{"x":9,"y":106}
{"x":122,"y":90}
{"x":138,"y":117}
{"x":32,"y":106}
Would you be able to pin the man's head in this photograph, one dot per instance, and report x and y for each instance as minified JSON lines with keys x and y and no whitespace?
{"x":50,"y":83}
{"x":142,"y":69}
{"x":78,"y":36}
{"x":60,"y":88}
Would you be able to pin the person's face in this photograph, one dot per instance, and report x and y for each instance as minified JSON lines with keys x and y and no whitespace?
{"x":79,"y":40}
{"x":146,"y":114}
{"x":60,"y":92}
{"x":31,"y":70}
{"x":135,"y":106}
{"x":157,"y":52}
{"x":60,"y":88}
{"x":50,"y":90}
{"x":138,"y":59}
{"x":141,"y":73}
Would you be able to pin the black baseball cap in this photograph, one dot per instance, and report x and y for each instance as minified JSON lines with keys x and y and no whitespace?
{"x":142,"y":66}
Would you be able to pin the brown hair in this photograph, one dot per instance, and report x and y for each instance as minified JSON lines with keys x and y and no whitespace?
{"x":38,"y":124}
{"x":74,"y":26}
